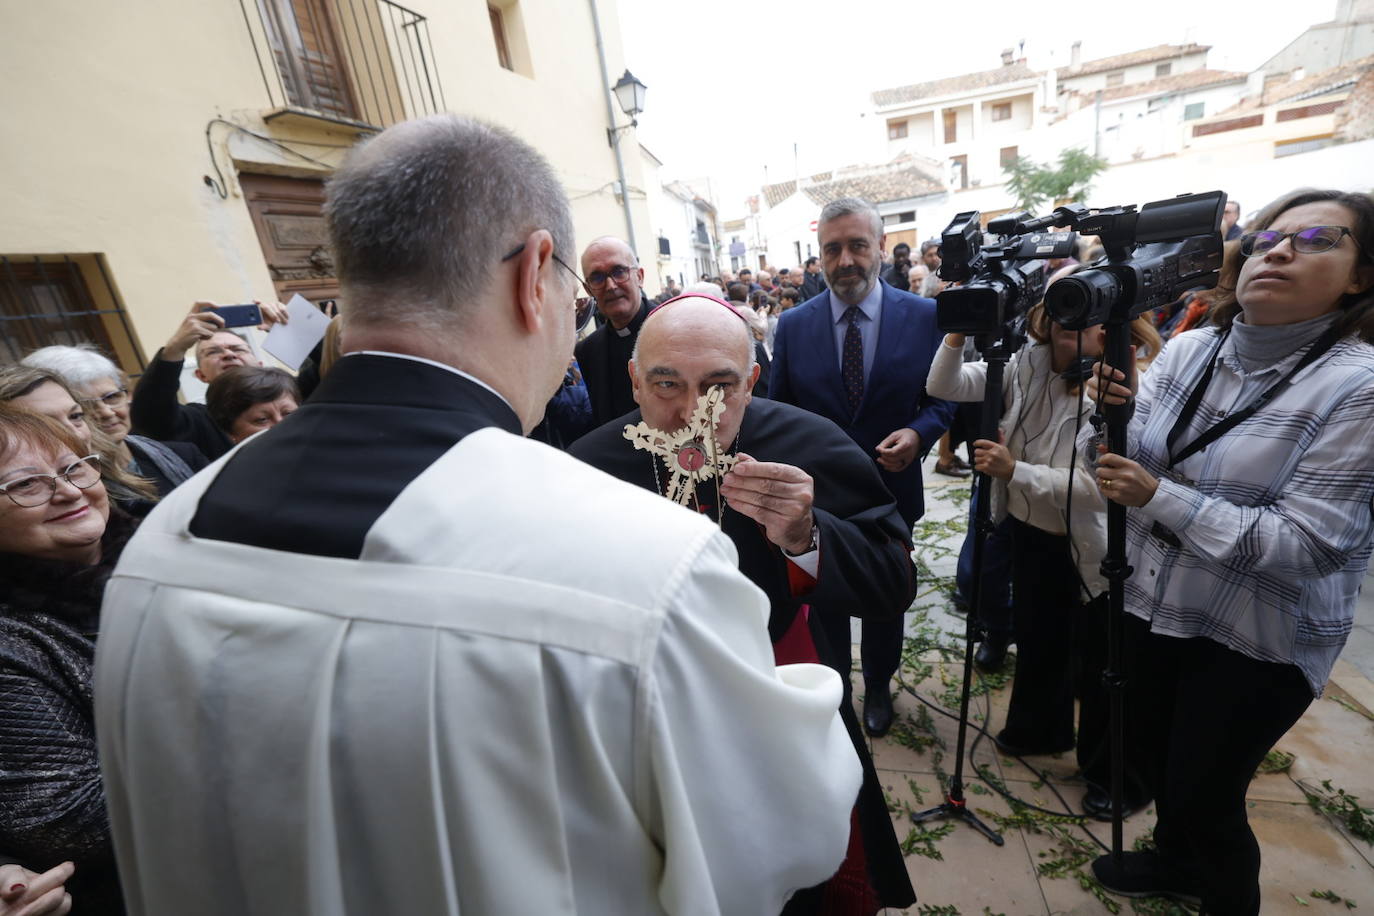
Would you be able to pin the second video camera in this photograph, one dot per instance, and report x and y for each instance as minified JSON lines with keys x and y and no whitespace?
{"x":1000,"y":278}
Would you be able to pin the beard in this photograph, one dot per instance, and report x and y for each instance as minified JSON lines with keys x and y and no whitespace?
{"x":852,"y":283}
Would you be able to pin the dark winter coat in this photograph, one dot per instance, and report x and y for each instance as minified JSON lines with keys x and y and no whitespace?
{"x":52,"y":805}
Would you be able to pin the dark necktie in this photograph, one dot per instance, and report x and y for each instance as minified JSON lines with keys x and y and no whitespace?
{"x":852,"y":360}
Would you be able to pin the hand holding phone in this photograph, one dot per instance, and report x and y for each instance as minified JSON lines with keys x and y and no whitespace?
{"x":239,"y":316}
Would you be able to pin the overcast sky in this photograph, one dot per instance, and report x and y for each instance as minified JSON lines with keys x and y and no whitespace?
{"x":733,"y":84}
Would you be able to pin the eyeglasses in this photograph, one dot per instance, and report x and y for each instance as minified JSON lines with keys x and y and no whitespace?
{"x":619,"y":273}
{"x":521,"y":247}
{"x":1311,"y":240}
{"x":113,"y":399}
{"x":38,"y":489}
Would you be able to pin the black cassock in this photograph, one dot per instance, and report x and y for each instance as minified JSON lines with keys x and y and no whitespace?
{"x":865,"y":568}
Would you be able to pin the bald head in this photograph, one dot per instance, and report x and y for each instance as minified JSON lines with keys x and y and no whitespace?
{"x":614,"y":278}
{"x":685,"y":349}
{"x":696,"y":319}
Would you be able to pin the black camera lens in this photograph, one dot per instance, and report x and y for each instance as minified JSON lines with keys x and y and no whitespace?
{"x":1082,"y":300}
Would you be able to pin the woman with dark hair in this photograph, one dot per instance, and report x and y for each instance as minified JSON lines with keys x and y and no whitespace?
{"x":1049,"y":517}
{"x":249,"y":399}
{"x":59,"y":542}
{"x":48,"y":393}
{"x":1250,"y":475}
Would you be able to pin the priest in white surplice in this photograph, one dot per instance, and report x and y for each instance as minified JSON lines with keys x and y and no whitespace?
{"x":365,"y":663}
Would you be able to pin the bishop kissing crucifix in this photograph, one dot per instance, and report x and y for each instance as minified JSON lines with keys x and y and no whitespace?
{"x":691,"y":454}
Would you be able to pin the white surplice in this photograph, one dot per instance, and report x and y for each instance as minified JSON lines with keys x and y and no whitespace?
{"x":539,"y":691}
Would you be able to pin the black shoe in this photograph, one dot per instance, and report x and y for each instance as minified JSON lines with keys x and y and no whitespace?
{"x":991,"y":655}
{"x":1145,"y":874}
{"x":1097,"y":803}
{"x":877,"y":709}
{"x":1012,"y":748}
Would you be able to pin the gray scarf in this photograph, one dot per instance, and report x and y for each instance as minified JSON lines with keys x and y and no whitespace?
{"x":167,"y":462}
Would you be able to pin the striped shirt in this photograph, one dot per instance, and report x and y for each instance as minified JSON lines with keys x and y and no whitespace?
{"x":1274,"y":517}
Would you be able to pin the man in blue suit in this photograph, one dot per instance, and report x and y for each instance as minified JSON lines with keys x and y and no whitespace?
{"x":858,"y":354}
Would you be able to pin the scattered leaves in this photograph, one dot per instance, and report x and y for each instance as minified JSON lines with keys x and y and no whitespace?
{"x":1343,"y":807}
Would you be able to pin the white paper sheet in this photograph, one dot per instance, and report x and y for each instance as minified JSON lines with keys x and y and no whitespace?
{"x":291,"y":343}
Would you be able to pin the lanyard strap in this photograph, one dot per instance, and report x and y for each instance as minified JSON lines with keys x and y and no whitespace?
{"x":1190,"y":408}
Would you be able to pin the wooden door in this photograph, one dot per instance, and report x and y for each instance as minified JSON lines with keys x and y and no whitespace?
{"x":288,"y":214}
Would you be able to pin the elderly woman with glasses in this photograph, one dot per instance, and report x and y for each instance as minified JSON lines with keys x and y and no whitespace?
{"x":48,"y":393}
{"x":102,"y":389}
{"x":1250,"y":477}
{"x":59,"y":542}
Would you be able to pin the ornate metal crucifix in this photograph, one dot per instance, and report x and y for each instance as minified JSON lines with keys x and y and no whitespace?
{"x":691,"y":454}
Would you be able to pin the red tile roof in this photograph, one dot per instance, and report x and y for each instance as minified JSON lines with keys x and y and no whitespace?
{"x":1178,"y":82}
{"x":968,"y":82}
{"x":1143,"y":56}
{"x":876,"y":184}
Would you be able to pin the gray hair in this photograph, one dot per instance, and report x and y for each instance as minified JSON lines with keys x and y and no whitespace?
{"x":80,"y":365}
{"x":848,"y":205}
{"x":421,"y":215}
{"x":704,"y":287}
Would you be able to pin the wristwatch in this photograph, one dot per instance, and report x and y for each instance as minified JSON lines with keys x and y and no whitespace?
{"x":813,"y":544}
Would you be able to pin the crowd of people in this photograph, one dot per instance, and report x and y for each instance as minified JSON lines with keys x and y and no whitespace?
{"x":353,"y":653}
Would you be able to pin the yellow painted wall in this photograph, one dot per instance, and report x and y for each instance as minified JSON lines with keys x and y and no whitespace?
{"x":103,"y":146}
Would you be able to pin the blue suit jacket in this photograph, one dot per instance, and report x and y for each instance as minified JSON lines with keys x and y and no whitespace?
{"x":806,"y":372}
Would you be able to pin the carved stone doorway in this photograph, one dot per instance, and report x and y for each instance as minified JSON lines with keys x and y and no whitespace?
{"x":288,"y":214}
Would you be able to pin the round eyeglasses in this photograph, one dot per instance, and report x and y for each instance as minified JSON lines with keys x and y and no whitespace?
{"x":37,"y":489}
{"x":1312,"y":240}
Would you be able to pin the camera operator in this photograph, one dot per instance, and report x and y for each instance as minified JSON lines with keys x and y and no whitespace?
{"x":1058,"y":592}
{"x":1247,"y":555}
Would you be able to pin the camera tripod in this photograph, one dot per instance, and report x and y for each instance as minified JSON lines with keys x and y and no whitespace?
{"x":1117,"y":354}
{"x":955,"y":805}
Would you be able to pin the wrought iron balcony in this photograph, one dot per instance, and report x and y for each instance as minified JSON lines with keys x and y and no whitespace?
{"x":361,"y":64}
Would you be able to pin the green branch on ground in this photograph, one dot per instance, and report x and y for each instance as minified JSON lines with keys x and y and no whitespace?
{"x":1333,"y":897}
{"x":1345,"y":808}
{"x":1276,"y":761}
{"x":920,"y":841}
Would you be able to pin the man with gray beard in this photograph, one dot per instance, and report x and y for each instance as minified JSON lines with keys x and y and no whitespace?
{"x":858,"y":354}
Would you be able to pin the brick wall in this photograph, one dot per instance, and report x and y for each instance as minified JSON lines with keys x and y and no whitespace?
{"x":1355,"y":119}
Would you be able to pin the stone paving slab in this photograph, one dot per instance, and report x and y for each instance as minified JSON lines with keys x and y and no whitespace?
{"x":1304,"y":851}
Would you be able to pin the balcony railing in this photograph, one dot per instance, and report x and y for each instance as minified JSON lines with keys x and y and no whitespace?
{"x":364,"y":64}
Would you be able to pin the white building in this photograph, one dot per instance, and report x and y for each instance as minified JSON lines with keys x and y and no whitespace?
{"x":975,"y":124}
{"x":1348,"y":37}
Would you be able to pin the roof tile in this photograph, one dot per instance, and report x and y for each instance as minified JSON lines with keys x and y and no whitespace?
{"x":1143,"y":56}
{"x":967,"y":82}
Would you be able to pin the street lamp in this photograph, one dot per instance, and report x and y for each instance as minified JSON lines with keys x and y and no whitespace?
{"x":629,"y":92}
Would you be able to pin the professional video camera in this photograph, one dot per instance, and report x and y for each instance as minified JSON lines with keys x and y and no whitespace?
{"x":1000,"y":279}
{"x":1153,"y":257}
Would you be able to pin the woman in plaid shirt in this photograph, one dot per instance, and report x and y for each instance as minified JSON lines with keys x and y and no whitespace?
{"x":1248,"y":548}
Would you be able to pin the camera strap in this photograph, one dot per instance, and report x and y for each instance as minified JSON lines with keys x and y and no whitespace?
{"x":1190,"y":408}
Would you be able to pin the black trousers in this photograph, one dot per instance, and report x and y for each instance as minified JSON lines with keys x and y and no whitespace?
{"x":1094,"y":706}
{"x":1044,"y":599}
{"x":880,"y":646}
{"x":1212,"y":714}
